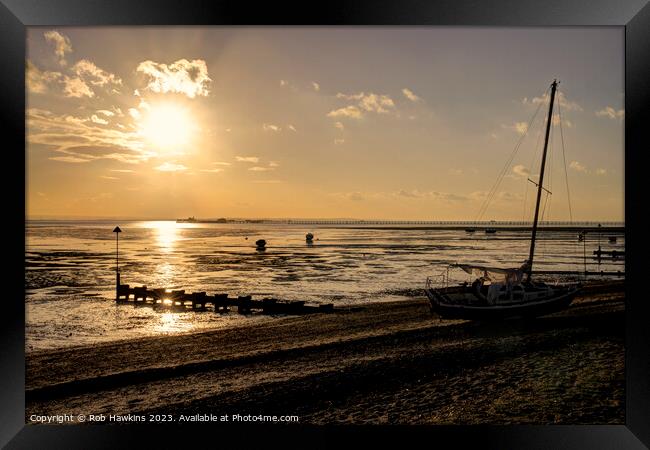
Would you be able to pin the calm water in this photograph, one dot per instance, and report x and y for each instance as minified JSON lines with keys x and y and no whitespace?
{"x":70,"y":269}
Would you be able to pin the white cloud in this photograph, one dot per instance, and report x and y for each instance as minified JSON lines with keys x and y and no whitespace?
{"x":271,"y":127}
{"x":316,"y":86}
{"x":575,"y":165}
{"x":519,"y":127}
{"x":123,"y":170}
{"x":98,"y":120}
{"x":565,"y":103}
{"x":77,"y":88}
{"x":183,"y":76}
{"x":410,"y":95}
{"x":135,"y":113}
{"x":600,"y":171}
{"x":61,"y":44}
{"x":348,"y":111}
{"x":105,"y":112}
{"x":248,"y":159}
{"x":283,"y":82}
{"x":37,"y":81}
{"x":260,"y":169}
{"x":339,"y":125}
{"x":292,"y":128}
{"x":220,"y":163}
{"x":339,"y":141}
{"x":521,"y":170}
{"x":216,"y":170}
{"x":69,"y":159}
{"x":171,"y":167}
{"x":89,"y":72}
{"x":106,"y":177}
{"x":274,"y":164}
{"x":611,"y":113}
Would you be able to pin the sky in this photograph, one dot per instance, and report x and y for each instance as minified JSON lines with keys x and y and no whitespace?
{"x":402,"y":123}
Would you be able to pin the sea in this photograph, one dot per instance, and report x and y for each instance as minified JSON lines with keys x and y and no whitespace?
{"x":71,"y":268}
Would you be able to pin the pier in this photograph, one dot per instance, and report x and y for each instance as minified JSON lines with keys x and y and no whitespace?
{"x":179,"y":300}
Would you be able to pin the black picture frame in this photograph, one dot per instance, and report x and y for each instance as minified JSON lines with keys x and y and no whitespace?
{"x":16,"y":15}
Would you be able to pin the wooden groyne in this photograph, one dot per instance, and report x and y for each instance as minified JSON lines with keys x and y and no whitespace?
{"x":179,"y":300}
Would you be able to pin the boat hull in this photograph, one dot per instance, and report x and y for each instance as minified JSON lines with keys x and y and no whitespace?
{"x":535,"y":308}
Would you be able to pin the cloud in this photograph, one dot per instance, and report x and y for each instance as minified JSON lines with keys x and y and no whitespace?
{"x":108,"y":178}
{"x":274,"y":164}
{"x":216,"y":170}
{"x":292,"y":128}
{"x":283,"y":82}
{"x":260,"y":169}
{"x":519,"y":127}
{"x":37,"y":81}
{"x":339,"y":125}
{"x":171,"y":167}
{"x":410,"y":95}
{"x":81,"y":140}
{"x":575,"y":165}
{"x":339,"y":141}
{"x":565,"y":103}
{"x":521,"y":170}
{"x":220,"y":163}
{"x":271,"y":127}
{"x":69,"y":159}
{"x":600,"y":171}
{"x":135,"y":113}
{"x":96,"y":119}
{"x":123,"y":170}
{"x":105,"y":112}
{"x":61,"y":44}
{"x":348,"y":111}
{"x":611,"y":113}
{"x":248,"y":159}
{"x":89,"y":72}
{"x":183,"y":76}
{"x":316,"y":86}
{"x":77,"y":88}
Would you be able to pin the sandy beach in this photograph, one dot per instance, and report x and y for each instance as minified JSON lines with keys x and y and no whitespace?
{"x":378,"y":363}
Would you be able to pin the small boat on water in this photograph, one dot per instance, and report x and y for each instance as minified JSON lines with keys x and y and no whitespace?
{"x":309,"y":238}
{"x":260,"y":244}
{"x":470,"y":230}
{"x":490,"y":230}
{"x":499,"y":293}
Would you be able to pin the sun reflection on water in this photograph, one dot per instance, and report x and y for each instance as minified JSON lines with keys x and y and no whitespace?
{"x":171,"y":322}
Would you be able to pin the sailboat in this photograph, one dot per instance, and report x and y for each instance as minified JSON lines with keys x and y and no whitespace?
{"x":499,"y":293}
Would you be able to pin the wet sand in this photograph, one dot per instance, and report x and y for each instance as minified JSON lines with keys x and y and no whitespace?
{"x":380,"y":363}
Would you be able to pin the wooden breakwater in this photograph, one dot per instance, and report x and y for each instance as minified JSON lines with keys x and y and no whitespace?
{"x":179,"y":300}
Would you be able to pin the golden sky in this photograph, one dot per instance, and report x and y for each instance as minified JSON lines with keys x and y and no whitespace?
{"x":321,"y":122}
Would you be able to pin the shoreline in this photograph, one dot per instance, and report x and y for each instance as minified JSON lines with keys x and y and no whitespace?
{"x":358,"y":365}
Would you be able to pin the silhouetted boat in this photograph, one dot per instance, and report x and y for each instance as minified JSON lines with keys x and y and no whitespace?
{"x":309,"y":237}
{"x":261,"y":244}
{"x":470,"y":230}
{"x":499,"y":293}
{"x":490,"y":230}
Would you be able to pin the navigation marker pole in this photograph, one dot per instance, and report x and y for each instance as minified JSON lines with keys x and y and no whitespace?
{"x":117,"y":232}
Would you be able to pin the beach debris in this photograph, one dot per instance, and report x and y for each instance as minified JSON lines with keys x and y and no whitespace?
{"x":179,"y":300}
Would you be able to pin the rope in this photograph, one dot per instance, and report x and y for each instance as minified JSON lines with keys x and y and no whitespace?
{"x":566,"y":174}
{"x":505,"y":168}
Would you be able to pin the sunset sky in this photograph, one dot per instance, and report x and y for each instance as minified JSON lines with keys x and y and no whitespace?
{"x":367,"y":122}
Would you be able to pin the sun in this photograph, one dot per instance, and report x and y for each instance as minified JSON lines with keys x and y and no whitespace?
{"x":167,"y":127}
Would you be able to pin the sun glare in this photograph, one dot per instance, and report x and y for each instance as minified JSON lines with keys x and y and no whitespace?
{"x":168,"y":127}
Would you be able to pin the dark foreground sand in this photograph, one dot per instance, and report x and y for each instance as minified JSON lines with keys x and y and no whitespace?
{"x":383,"y":363}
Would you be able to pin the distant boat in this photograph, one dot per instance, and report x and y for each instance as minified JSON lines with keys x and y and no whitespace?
{"x":499,"y":293}
{"x":261,"y":244}
{"x":470,"y":230}
{"x":309,"y":237}
{"x":490,"y":230}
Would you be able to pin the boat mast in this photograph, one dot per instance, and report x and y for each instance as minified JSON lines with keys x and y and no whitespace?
{"x":541,"y":180}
